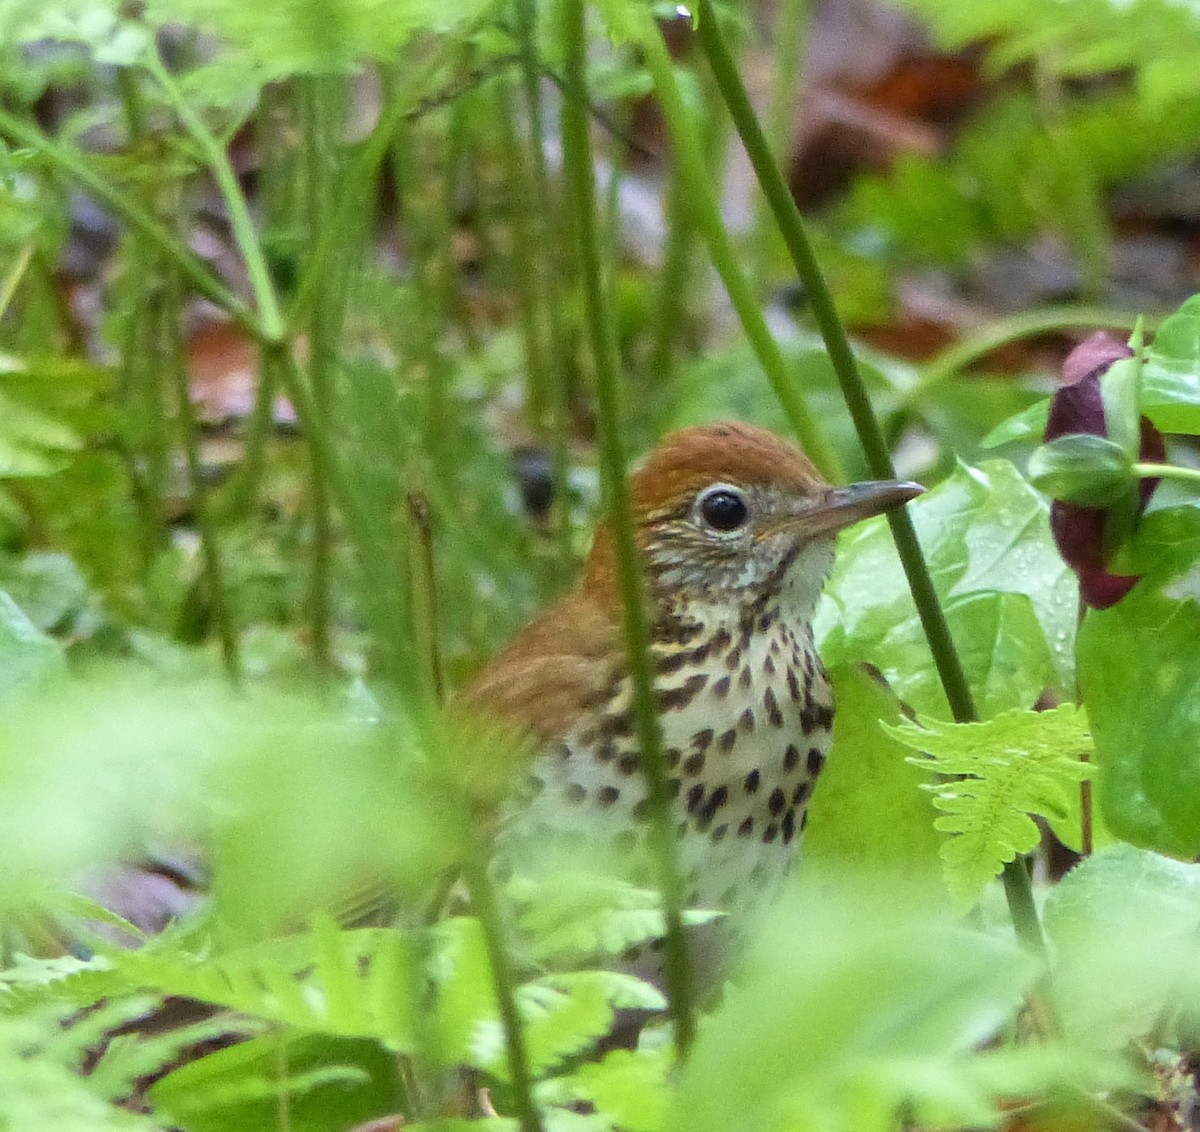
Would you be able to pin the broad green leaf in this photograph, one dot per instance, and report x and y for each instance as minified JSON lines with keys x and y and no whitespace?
{"x":28,"y":658}
{"x":1123,"y":924}
{"x":849,"y":1014}
{"x":1139,"y":672}
{"x":1028,"y":423}
{"x":1171,"y":376}
{"x":1010,"y":600}
{"x":1082,"y":468}
{"x":868,"y":813}
{"x":999,"y":776}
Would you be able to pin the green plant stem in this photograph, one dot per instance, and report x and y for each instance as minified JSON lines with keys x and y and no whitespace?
{"x":12,"y":280}
{"x":706,"y":212}
{"x":670,"y":302}
{"x":953,"y":360}
{"x":521,"y":275}
{"x":319,"y":164}
{"x":552,"y":276}
{"x":210,"y":553}
{"x":1167,"y":472}
{"x":581,"y":187}
{"x":1017,"y":888}
{"x":270,"y":316}
{"x":124,"y":206}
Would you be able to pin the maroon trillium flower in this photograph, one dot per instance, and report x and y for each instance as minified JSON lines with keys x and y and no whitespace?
{"x":1077,"y":407}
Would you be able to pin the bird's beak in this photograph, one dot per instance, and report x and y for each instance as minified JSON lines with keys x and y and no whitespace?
{"x":844,"y":506}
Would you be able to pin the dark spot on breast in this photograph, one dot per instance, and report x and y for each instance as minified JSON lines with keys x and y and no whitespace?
{"x":716,"y":800}
{"x":587,"y":737}
{"x":576,"y":793}
{"x":534,"y":786}
{"x":802,"y":791}
{"x":718,"y":834}
{"x":772,"y":706}
{"x":727,"y":740}
{"x":607,"y":751}
{"x":640,"y":808}
{"x":694,"y":764}
{"x":746,"y":828}
{"x":674,"y":785}
{"x":816,"y":761}
{"x":789,"y":826}
{"x":629,"y":763}
{"x":607,"y":795}
{"x":733,"y":659}
{"x":702,"y":740}
{"x":746,"y":722}
{"x":563,"y":751}
{"x":769,"y":665}
{"x":720,"y":639}
{"x":721,"y":688}
{"x":777,"y":802}
{"x":803,"y":820}
{"x":745,"y":678}
{"x":791,"y":758}
{"x":775,"y":647}
{"x":751,"y":783}
{"x":672,"y":699}
{"x":793,"y":684}
{"x":728,"y":896}
{"x":673,"y":755}
{"x":770,"y":833}
{"x":616,"y":726}
{"x":694,"y":797}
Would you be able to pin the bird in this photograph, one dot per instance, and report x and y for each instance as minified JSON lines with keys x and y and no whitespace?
{"x":736,"y":531}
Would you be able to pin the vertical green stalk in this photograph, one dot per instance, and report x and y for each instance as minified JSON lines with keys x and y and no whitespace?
{"x":214,"y":583}
{"x":418,"y":162}
{"x":522,"y":276}
{"x":790,"y":20}
{"x":480,"y":889}
{"x":1017,"y":887}
{"x":690,"y":157}
{"x":552,"y":278}
{"x":670,"y":302}
{"x":581,"y":186}
{"x":319,"y":158}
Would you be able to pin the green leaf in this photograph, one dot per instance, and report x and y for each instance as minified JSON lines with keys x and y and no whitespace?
{"x":1082,"y":468}
{"x":999,"y":776}
{"x":868,"y":814}
{"x":1010,"y":600}
{"x":856,"y":1014}
{"x":1027,"y":423}
{"x":1177,"y":343}
{"x":1120,"y":388}
{"x":1139,"y":672}
{"x":1123,"y":924}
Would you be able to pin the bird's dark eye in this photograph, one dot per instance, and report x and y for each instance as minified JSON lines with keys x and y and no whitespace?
{"x":724,"y":509}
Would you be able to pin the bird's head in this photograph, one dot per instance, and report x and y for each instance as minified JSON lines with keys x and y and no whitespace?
{"x":732,"y":516}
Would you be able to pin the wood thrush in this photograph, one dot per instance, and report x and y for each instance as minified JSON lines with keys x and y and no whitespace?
{"x":736,"y":530}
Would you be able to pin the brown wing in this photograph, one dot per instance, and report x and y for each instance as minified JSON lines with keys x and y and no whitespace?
{"x":552,"y":672}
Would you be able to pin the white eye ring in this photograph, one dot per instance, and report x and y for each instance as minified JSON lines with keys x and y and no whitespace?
{"x":722,"y":509}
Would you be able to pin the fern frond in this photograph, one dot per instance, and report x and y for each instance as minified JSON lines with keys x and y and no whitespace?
{"x":999,"y":776}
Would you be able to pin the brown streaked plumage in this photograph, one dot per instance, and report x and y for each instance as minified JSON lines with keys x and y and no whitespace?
{"x":736,"y":530}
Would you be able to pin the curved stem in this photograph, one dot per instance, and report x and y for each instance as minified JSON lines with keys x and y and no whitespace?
{"x":581,"y":187}
{"x":1167,"y":472}
{"x":244,"y":234}
{"x":124,"y":206}
{"x":954,"y":359}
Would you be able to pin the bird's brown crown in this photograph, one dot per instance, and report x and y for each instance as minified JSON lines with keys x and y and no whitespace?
{"x":728,"y":452}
